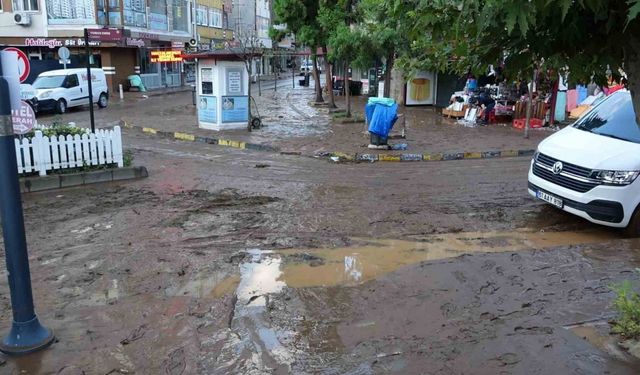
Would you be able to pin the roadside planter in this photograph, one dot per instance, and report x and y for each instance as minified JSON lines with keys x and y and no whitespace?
{"x":222,"y":88}
{"x":41,"y":153}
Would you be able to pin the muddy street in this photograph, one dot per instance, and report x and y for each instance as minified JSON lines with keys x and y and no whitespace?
{"x":230,"y":261}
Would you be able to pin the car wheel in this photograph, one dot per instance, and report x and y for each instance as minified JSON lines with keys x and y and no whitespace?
{"x":61,"y":107}
{"x":103,"y":101}
{"x":633,"y":229}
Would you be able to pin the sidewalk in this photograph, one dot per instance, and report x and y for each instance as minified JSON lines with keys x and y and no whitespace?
{"x":293,"y":125}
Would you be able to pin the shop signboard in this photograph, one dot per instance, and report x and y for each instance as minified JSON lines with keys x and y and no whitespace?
{"x":105,"y":35}
{"x":420,"y":90}
{"x":134,"y":42}
{"x":207,"y":109}
{"x":70,"y":12}
{"x":55,"y":43}
{"x":235,"y":108}
{"x":177,"y":45}
{"x":165,"y":56}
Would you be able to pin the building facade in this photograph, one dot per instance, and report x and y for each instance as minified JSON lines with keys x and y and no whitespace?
{"x":212,"y":24}
{"x":251,"y":20}
{"x":147,"y":25}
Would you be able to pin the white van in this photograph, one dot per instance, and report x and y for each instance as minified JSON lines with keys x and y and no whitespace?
{"x":591,"y":168}
{"x":61,"y":89}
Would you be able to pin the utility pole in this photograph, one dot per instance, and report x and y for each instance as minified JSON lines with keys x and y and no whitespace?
{"x":27,"y":334}
{"x":87,"y":50}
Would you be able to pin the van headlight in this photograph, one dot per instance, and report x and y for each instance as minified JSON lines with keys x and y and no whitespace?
{"x":45,"y":94}
{"x":615,"y":177}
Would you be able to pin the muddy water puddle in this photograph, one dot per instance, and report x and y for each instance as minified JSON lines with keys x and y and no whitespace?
{"x":373,"y":258}
{"x":264,"y":273}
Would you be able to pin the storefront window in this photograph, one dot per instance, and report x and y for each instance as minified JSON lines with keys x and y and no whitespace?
{"x":180,"y":15}
{"x":158,"y":19}
{"x":135,"y":13}
{"x":109,"y":12}
{"x":146,"y":66}
{"x":26,"y":5}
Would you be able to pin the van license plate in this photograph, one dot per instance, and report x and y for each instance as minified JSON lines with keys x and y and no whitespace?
{"x":549,"y":198}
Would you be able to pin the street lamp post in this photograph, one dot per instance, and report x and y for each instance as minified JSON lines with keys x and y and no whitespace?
{"x":27,"y":334}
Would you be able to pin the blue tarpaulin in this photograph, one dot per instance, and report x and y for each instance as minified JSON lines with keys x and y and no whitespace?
{"x":381,"y":115}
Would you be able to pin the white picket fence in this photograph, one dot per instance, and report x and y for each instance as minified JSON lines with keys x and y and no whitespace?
{"x":41,"y":154}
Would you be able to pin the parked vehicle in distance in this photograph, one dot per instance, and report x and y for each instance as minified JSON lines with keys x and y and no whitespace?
{"x":307,"y":68}
{"x":591,"y":168}
{"x":61,"y":89}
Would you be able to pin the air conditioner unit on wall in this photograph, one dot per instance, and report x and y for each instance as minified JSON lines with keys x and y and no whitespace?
{"x":23,"y":19}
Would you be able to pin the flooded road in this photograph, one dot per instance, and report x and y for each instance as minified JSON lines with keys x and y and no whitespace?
{"x":215,"y":266}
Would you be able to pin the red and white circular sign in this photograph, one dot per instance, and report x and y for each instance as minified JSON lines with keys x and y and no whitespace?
{"x":24,"y":119}
{"x":23,"y":63}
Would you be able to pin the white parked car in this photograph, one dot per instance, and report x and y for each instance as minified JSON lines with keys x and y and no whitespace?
{"x":61,"y":89}
{"x":307,"y":67}
{"x":591,"y":168}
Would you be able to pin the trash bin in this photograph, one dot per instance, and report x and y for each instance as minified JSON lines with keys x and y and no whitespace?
{"x":381,"y":113}
{"x":355,"y":87}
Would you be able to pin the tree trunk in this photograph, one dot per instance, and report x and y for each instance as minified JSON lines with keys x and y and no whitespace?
{"x":529,"y":104}
{"x":316,"y":78}
{"x":632,"y":68}
{"x":347,"y":92}
{"x":387,"y":75}
{"x":328,"y":79}
{"x":249,"y":71}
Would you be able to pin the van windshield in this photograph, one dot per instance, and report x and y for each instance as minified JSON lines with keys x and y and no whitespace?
{"x":49,"y":82}
{"x":613,"y":117}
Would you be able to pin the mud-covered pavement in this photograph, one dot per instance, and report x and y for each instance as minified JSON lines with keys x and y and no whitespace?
{"x":226,"y":261}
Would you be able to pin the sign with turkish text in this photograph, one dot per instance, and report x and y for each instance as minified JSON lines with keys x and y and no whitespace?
{"x":24,"y":119}
{"x":133,"y":42}
{"x":234,"y":81}
{"x":54,"y":43}
{"x":177,"y":45}
{"x":105,"y":35}
{"x":166,"y":56}
{"x":24,"y":68}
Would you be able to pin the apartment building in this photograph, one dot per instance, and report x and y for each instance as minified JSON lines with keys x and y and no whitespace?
{"x":212,"y":24}
{"x":251,"y":19}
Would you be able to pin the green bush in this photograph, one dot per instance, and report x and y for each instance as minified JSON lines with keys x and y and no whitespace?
{"x":56,"y":129}
{"x":627,"y":304}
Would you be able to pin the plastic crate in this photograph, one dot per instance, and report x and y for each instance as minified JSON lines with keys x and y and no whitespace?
{"x":533,"y":123}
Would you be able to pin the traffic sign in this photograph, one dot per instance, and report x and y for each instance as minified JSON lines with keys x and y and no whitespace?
{"x":24,"y":67}
{"x":23,"y":119}
{"x":64,"y":53}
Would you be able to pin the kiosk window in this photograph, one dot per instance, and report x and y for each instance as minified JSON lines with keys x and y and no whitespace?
{"x":206,"y":77}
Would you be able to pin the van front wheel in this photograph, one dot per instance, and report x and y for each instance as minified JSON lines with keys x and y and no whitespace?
{"x":103,"y":101}
{"x":633,"y":229}
{"x":61,"y":107}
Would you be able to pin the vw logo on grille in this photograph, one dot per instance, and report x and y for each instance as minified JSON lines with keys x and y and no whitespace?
{"x":557,"y":167}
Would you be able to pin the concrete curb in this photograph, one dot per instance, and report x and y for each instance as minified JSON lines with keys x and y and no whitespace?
{"x":33,"y":184}
{"x":446,"y":156}
{"x":196,"y":138}
{"x":357,"y":157}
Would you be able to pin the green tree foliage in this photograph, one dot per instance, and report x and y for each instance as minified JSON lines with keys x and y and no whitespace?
{"x":583,"y":35}
{"x":300,"y":16}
